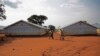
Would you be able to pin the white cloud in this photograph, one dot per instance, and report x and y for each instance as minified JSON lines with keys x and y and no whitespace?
{"x":13,"y":1}
{"x":59,"y":12}
{"x":73,"y":1}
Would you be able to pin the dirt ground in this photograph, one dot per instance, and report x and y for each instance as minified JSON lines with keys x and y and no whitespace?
{"x":42,"y":46}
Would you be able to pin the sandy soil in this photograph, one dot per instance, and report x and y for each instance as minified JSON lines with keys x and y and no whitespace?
{"x":36,"y":46}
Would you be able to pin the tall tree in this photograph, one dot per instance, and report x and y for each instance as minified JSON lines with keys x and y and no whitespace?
{"x":52,"y":27}
{"x":2,"y":11}
{"x":37,"y":19}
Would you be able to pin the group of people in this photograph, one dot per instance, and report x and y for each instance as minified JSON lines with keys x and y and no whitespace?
{"x":51,"y":34}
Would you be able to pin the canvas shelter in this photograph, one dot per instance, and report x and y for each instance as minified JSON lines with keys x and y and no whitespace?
{"x":79,"y":28}
{"x":24,"y":28}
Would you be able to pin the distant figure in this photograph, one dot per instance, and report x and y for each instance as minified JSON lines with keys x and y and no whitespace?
{"x":51,"y":34}
{"x":61,"y":36}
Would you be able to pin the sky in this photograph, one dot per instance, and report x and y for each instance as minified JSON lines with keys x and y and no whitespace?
{"x":59,"y":12}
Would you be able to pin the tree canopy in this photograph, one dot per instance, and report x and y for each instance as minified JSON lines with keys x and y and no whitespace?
{"x":37,"y":19}
{"x":52,"y":27}
{"x":2,"y":12}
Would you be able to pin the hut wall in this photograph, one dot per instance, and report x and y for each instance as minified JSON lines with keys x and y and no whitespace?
{"x":79,"y":29}
{"x":23,"y":28}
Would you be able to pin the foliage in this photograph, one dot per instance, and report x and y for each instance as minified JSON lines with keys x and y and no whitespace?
{"x":37,"y":19}
{"x":2,"y":12}
{"x":52,"y":27}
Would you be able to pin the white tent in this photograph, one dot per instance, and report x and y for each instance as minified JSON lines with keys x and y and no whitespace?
{"x":24,"y":28}
{"x":79,"y":28}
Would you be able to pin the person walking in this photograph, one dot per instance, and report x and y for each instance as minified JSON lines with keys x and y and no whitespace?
{"x":51,"y":32}
{"x":61,"y":36}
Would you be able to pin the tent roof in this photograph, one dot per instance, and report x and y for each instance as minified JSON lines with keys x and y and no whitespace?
{"x":82,"y":22}
{"x":27,"y":23}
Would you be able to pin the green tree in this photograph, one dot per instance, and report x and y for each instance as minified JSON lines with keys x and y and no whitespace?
{"x":37,"y":19}
{"x":2,"y":12}
{"x":52,"y":27}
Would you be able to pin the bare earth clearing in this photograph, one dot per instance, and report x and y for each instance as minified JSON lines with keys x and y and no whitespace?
{"x":35,"y":46}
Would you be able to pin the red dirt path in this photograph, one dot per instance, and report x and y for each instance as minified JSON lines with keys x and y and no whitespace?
{"x":71,"y":46}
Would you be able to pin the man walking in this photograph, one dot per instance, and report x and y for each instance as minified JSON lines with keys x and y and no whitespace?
{"x":51,"y":34}
{"x":61,"y":36}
